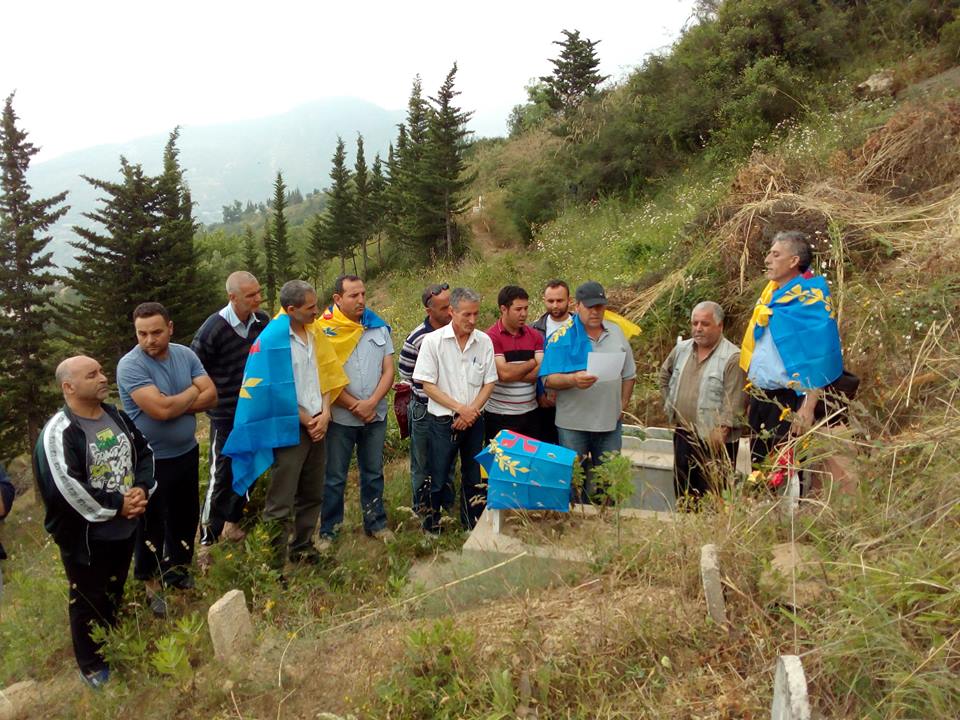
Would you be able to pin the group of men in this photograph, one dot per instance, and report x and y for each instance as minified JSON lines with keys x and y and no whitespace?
{"x":468,"y":385}
{"x":306,"y":391}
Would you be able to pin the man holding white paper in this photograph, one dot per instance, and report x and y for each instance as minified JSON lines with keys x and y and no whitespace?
{"x":590,"y":364}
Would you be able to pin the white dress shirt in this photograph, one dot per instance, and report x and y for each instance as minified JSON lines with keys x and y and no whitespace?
{"x":305,"y":375}
{"x":461,"y":374}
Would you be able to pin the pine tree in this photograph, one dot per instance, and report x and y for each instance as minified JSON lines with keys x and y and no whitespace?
{"x":118,"y":269}
{"x":361,"y":197}
{"x":419,"y":222}
{"x":270,"y":267}
{"x":251,"y":256}
{"x":182,"y":290}
{"x":394,"y":191}
{"x":575,"y":75}
{"x":378,"y":203}
{"x":282,"y":254}
{"x":340,"y":227}
{"x":445,"y":163}
{"x":26,"y":287}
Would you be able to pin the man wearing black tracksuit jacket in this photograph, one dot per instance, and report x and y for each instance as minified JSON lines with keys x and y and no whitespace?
{"x":94,"y":471}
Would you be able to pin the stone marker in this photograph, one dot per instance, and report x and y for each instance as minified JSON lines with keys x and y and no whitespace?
{"x":712,"y":585}
{"x":17,"y":699}
{"x":790,"y":701}
{"x":231,"y":629}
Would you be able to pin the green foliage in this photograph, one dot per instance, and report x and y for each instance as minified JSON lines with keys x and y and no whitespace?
{"x":334,"y":233}
{"x":532,"y":114}
{"x":950,"y":40}
{"x":574,"y":77}
{"x":145,"y":253}
{"x":26,"y":288}
{"x":435,"y":670}
{"x":283,"y":260}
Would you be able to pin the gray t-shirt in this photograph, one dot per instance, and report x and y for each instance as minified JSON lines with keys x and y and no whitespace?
{"x":173,"y":375}
{"x":364,"y":368}
{"x":597,"y":409}
{"x":110,"y":467}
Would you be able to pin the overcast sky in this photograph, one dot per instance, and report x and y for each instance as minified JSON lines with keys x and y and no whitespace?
{"x":95,"y":72}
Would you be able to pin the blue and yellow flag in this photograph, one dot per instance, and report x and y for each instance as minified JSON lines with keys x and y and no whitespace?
{"x":567,"y":349}
{"x":267,"y":416}
{"x":344,"y":333}
{"x":803,"y":325}
{"x":629,"y":327}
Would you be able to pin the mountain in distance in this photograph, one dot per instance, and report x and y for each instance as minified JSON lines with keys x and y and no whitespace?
{"x":224,"y":162}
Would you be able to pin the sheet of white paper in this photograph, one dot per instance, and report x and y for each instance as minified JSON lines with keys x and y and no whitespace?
{"x":606,"y":366}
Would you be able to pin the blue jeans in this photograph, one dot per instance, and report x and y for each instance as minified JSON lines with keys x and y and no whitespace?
{"x":340,"y":441}
{"x":445,"y":444}
{"x":420,"y":457}
{"x":590,"y":447}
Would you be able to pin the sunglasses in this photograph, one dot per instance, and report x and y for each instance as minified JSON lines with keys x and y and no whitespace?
{"x":434,"y":291}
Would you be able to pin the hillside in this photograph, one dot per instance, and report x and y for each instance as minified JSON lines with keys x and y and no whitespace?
{"x":226,"y":162}
{"x":874,"y":610}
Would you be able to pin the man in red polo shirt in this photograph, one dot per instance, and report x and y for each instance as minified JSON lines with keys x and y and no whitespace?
{"x":518,"y":351}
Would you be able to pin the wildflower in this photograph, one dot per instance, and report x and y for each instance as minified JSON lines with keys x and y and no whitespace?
{"x":784,"y":414}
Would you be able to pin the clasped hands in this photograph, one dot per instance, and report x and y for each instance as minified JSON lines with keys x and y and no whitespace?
{"x":466,"y":416}
{"x":134,"y":503}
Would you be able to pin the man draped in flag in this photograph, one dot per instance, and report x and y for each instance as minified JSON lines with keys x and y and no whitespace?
{"x":361,"y":341}
{"x":589,"y":409}
{"x":791,"y":349}
{"x":283,"y":412}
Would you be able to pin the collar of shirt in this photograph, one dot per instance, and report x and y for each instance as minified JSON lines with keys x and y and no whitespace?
{"x":446,"y":332}
{"x":230,"y":315}
{"x":503,"y":329}
{"x":300,"y":341}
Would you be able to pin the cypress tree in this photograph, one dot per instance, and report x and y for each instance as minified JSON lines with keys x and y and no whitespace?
{"x":282,"y":255}
{"x":270,"y":266}
{"x":377,"y":203}
{"x":445,"y":165}
{"x":361,"y":199}
{"x":26,"y":288}
{"x":340,"y":227}
{"x":251,"y":257}
{"x":394,"y":191}
{"x":182,"y":292}
{"x":575,"y":75}
{"x":419,"y":221}
{"x":117,"y":269}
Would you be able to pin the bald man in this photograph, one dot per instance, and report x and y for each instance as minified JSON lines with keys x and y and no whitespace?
{"x":94,"y":469}
{"x":222,"y":343}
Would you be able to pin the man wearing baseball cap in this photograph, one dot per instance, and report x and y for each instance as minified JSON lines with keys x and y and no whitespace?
{"x":589,"y":407}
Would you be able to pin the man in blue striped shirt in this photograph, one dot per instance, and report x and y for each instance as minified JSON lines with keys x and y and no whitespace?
{"x":436,"y":300}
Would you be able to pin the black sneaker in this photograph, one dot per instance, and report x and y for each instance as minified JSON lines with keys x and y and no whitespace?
{"x":180,"y":579}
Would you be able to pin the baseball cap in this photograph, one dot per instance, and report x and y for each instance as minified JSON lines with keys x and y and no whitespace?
{"x":591,"y":294}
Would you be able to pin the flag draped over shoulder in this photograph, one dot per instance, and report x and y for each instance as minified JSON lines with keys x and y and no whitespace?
{"x":344,"y":333}
{"x":803,"y":325}
{"x":629,"y":328}
{"x":329,"y":367}
{"x":567,"y":349}
{"x":267,"y":416}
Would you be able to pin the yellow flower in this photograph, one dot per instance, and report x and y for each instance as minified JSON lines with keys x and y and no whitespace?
{"x":785,"y":413}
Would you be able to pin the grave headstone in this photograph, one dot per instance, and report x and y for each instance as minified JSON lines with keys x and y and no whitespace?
{"x":712,"y":584}
{"x":231,"y":629}
{"x":790,"y":700}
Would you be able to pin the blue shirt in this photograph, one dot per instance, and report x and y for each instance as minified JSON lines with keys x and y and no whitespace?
{"x":364,"y":367}
{"x":171,"y":376}
{"x":767,"y":371}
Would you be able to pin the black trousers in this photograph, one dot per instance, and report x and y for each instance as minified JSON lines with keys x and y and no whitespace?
{"x":767,"y":428}
{"x":526,"y":424}
{"x":445,"y":444}
{"x":692,"y":462}
{"x":220,"y":504}
{"x":95,"y":594}
{"x":166,"y":531}
{"x":547,"y":420}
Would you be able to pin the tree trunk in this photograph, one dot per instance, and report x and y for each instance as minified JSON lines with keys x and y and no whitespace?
{"x":364,"y":259}
{"x":353,"y":256}
{"x":379,"y":249}
{"x":343,"y":264}
{"x":448,"y":219}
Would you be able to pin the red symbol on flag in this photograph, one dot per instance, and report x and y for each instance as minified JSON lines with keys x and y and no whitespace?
{"x":255,"y":348}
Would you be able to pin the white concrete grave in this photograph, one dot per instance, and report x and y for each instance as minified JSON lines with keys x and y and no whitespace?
{"x":712,"y":584}
{"x":790,"y":700}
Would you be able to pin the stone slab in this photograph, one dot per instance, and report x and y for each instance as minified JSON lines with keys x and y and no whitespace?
{"x":790,"y":699}
{"x":712,"y":584}
{"x":18,"y":699}
{"x":231,"y":629}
